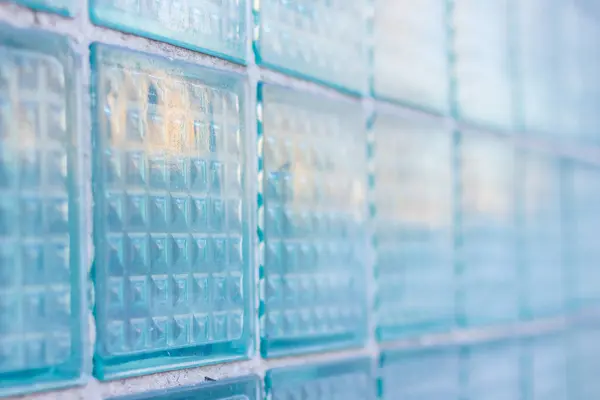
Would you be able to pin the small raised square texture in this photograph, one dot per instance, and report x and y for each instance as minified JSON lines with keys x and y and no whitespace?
{"x":324,"y":41}
{"x":483,"y":72}
{"x":312,"y":215}
{"x":487,"y":235}
{"x":410,"y":53}
{"x":172,"y":232}
{"x":245,"y":388}
{"x":413,"y":222}
{"x":547,"y":368}
{"x":214,"y":27}
{"x":62,"y":7}
{"x":351,"y":379}
{"x":42,"y":307}
{"x":420,"y":374}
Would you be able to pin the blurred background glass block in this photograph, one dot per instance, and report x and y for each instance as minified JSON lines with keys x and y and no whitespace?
{"x":546,"y":364}
{"x":324,"y":41}
{"x":172,"y":232}
{"x":244,"y":388}
{"x":42,"y":307}
{"x":483,"y":70}
{"x":62,"y":7}
{"x":313,"y":216}
{"x":214,"y":27}
{"x":421,"y":374}
{"x":487,"y":240}
{"x":351,"y":379}
{"x":414,"y":230}
{"x":411,"y":53}
{"x":584,"y":361}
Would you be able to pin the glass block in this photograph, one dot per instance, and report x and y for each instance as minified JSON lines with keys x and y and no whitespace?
{"x":214,"y":27}
{"x":584,"y":361}
{"x":324,"y":41}
{"x":172,"y":233}
{"x":42,"y":307}
{"x":411,"y":53}
{"x":421,"y":374}
{"x":245,"y":388}
{"x":547,"y":368}
{"x":62,"y":7}
{"x":413,"y":222}
{"x":351,"y":379}
{"x":487,"y":235}
{"x":483,"y":70}
{"x":312,"y":215}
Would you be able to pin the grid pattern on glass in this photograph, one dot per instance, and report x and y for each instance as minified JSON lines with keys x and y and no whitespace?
{"x":487,"y":236}
{"x":413,"y":224}
{"x":547,"y":368}
{"x":326,"y":41}
{"x":62,"y":7}
{"x":214,"y":27}
{"x":411,"y":52}
{"x":39,"y":276}
{"x":313,"y":216}
{"x":348,"y":380}
{"x":420,"y":374}
{"x":172,"y":237}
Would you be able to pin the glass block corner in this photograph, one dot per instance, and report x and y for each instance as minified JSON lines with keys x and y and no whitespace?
{"x":312,"y":216}
{"x":42,"y":278}
{"x":413,"y":221}
{"x":213,"y":27}
{"x":173,"y":237}
{"x":244,"y":388}
{"x":351,"y":379}
{"x":323,"y":41}
{"x":66,"y":8}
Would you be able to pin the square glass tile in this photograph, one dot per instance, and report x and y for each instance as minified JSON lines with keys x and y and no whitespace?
{"x":312,"y":219}
{"x":430,"y":374}
{"x":41,"y":277}
{"x":62,"y":7}
{"x":413,"y":224}
{"x":172,"y":234}
{"x":324,"y":41}
{"x":547,"y":368}
{"x":349,"y":380}
{"x":411,"y":53}
{"x":487,"y":251}
{"x":209,"y":26}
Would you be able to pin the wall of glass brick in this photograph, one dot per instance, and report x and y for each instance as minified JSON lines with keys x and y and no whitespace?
{"x":294,"y":199}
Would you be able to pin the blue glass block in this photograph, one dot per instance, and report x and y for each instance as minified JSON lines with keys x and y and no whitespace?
{"x":487,"y":237}
{"x":547,"y":368}
{"x":172,"y":233}
{"x":324,"y":41}
{"x":483,"y":71}
{"x":312,"y":215}
{"x":414,"y":229}
{"x":42,"y":307}
{"x":411,"y":53}
{"x":351,"y":379}
{"x":62,"y":7}
{"x":245,"y":388}
{"x":584,"y":361}
{"x":214,"y":27}
{"x":423,"y":374}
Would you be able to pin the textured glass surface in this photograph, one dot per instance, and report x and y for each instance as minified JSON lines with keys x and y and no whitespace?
{"x":324,"y":41}
{"x":488,"y":270}
{"x":411,"y":52}
{"x":348,"y":380}
{"x":584,"y":362}
{"x":313,"y":212}
{"x":210,"y":26}
{"x":547,"y":369}
{"x":246,"y":388}
{"x":172,"y":232}
{"x":413,"y":225}
{"x":430,"y":374}
{"x":482,"y":64}
{"x":63,"y":7}
{"x":40,"y":279}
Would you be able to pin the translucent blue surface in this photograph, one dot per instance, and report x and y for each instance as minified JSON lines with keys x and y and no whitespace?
{"x":413,"y":224}
{"x":410,"y":53}
{"x":62,"y":7}
{"x":325,"y":41}
{"x":584,"y":362}
{"x":348,"y":379}
{"x":547,"y":369}
{"x":214,"y":27}
{"x":426,"y":374}
{"x":312,"y":222}
{"x":172,"y":227}
{"x":488,"y":270}
{"x":41,"y":284}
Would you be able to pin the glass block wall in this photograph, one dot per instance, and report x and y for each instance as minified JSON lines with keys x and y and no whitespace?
{"x":294,"y":199}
